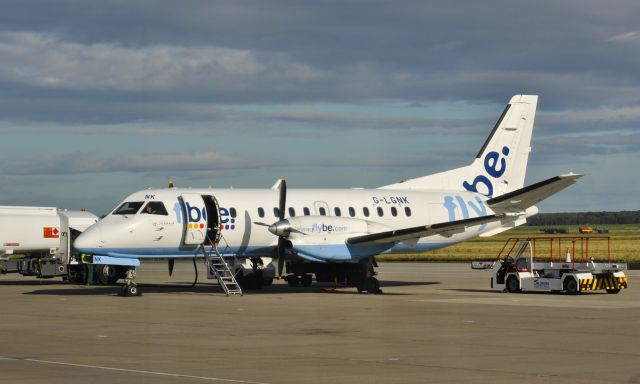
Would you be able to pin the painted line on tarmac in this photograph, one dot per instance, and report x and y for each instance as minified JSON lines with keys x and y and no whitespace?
{"x":132,"y":370}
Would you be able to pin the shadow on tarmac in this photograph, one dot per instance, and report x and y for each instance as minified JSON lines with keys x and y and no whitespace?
{"x":525,"y":293}
{"x":31,"y":282}
{"x":473,"y":290}
{"x":206,"y":288}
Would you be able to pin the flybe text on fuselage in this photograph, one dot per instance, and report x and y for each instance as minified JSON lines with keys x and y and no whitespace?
{"x":457,"y":202}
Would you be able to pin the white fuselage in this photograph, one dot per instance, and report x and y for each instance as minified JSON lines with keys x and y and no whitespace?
{"x":145,"y":235}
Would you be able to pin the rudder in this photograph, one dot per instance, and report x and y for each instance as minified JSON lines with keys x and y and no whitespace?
{"x":501,"y":163}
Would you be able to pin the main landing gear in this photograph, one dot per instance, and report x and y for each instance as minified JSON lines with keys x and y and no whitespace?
{"x":130,"y":288}
{"x":364,"y":278}
{"x":369,"y":285}
{"x":303,"y":280}
{"x":359,"y":275}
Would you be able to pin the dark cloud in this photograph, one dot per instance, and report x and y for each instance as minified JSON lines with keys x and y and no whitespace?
{"x":83,"y":162}
{"x":351,"y":121}
{"x":590,"y":146}
{"x":574,"y":53}
{"x":258,"y":70}
{"x":193,"y":163}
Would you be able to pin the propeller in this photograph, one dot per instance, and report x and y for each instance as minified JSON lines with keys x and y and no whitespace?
{"x":282,"y":243}
{"x":281,"y":228}
{"x":171,"y":263}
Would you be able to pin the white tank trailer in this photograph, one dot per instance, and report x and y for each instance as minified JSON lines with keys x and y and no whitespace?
{"x":37,"y":241}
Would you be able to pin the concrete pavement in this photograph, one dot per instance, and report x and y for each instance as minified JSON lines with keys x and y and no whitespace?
{"x":434,"y":323}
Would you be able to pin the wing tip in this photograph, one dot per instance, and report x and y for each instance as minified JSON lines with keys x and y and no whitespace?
{"x":572,"y":176}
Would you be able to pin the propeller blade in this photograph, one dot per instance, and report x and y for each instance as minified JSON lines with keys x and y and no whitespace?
{"x":261,"y":223}
{"x":281,"y":253}
{"x":293,"y":230}
{"x":280,"y":228}
{"x":283,"y":197}
{"x":171,"y":263}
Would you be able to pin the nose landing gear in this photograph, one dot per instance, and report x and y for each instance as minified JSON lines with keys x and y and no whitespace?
{"x":130,"y":288}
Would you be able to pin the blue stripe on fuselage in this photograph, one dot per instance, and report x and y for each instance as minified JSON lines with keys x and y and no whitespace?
{"x":329,"y":252}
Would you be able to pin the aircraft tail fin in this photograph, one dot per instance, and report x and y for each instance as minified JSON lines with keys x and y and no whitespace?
{"x":501,"y":164}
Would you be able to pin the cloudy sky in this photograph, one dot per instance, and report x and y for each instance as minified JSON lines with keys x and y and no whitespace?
{"x":100,"y":99}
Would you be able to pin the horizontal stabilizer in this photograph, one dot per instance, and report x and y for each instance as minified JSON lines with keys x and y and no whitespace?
{"x":447,"y":229}
{"x":523,"y":198}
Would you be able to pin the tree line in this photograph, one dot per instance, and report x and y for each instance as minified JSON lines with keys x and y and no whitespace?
{"x":585,"y":218}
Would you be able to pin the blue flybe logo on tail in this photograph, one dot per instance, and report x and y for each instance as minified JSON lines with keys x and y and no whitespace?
{"x":495,"y":166}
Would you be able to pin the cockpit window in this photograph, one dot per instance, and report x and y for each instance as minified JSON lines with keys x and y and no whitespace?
{"x":128,"y":208}
{"x":155,"y":208}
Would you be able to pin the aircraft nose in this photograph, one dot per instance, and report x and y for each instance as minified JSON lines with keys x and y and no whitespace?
{"x":89,"y":241}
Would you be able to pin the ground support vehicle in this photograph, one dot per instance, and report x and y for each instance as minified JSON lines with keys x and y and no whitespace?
{"x":37,"y":241}
{"x":540,"y":265}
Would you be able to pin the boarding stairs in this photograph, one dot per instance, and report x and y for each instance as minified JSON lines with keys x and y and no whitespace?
{"x":221,"y":270}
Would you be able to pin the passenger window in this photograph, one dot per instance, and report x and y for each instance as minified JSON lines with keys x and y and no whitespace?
{"x":380,"y":212}
{"x":306,"y":211}
{"x":352,"y":212}
{"x":337,"y":211}
{"x":232,"y":212}
{"x":276,"y":212}
{"x":365,"y":210}
{"x":155,"y":208}
{"x":292,"y":212}
{"x":128,"y":208}
{"x":261,"y":212}
{"x":394,"y":212}
{"x":407,"y":211}
{"x":322,"y":211}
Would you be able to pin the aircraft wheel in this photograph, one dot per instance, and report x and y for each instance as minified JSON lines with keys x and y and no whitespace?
{"x":107,"y":274}
{"x":306,"y":280}
{"x":257,"y":281}
{"x":241,"y":279}
{"x":512,"y":285}
{"x":293,"y":280}
{"x":571,"y":286}
{"x":373,"y":286}
{"x":76,"y":277}
{"x":131,"y":289}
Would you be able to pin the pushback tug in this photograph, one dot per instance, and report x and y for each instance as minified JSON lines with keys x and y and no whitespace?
{"x":555,"y":264}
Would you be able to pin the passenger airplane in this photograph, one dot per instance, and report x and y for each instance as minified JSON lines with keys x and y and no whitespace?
{"x":335,"y":233}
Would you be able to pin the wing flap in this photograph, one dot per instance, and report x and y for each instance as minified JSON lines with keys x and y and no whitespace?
{"x":404,"y":234}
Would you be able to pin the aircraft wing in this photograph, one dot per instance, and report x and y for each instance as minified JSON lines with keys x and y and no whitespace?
{"x":447,"y":229}
{"x":523,"y":198}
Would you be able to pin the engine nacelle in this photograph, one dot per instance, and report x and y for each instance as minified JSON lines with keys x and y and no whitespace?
{"x":322,"y":238}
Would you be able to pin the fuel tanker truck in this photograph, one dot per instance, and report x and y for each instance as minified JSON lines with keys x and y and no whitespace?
{"x":37,"y":241}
